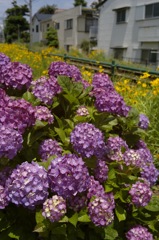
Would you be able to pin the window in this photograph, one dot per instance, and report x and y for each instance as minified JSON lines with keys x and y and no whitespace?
{"x":118,"y":53}
{"x":152,"y":10}
{"x":69,"y":24}
{"x":37,"y":28}
{"x":48,"y":25}
{"x":57,"y":26}
{"x":121,"y":15}
{"x":89,"y":23}
{"x":149,"y":56}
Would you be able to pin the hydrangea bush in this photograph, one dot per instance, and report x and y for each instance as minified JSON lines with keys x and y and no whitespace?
{"x":73,"y":160}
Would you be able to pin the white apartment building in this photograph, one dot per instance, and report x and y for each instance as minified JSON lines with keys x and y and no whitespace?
{"x":129,"y":29}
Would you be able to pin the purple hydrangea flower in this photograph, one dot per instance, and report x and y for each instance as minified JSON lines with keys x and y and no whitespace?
{"x":16,"y":75}
{"x":88,"y":140}
{"x":95,"y":188}
{"x":141,"y":144}
{"x":101,"y":171}
{"x":143,"y":121}
{"x":54,"y":208}
{"x":63,"y":68}
{"x":27,"y":185}
{"x":150,"y":173}
{"x":42,"y":113}
{"x":3,"y":198}
{"x":77,"y":202}
{"x":115,"y":148}
{"x":102,"y":80}
{"x":110,"y":101}
{"x":82,"y":111}
{"x":146,"y":155}
{"x":46,"y":89}
{"x":133,"y":157}
{"x":48,"y":148}
{"x":4,"y":60}
{"x":141,"y":193}
{"x":10,"y":142}
{"x":139,"y":233}
{"x":100,"y":211}
{"x":68,"y":176}
{"x":18,"y":114}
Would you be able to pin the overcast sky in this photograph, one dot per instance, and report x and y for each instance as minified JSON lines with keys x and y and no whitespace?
{"x":36,"y":4}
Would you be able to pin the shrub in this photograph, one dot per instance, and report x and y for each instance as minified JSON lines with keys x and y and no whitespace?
{"x":80,"y":168}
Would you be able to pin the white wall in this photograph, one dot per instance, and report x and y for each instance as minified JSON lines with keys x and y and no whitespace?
{"x":132,"y":33}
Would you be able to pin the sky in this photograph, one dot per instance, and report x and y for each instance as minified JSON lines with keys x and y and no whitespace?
{"x":36,"y":4}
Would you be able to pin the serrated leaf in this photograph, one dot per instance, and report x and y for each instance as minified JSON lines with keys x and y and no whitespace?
{"x":85,"y":92}
{"x":120,"y":213}
{"x":65,"y":83}
{"x":153,"y":205}
{"x":71,"y":98}
{"x":39,"y":217}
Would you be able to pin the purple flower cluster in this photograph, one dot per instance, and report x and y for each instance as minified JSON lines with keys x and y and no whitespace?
{"x":3,"y":198}
{"x":54,"y":208}
{"x":27,"y":185}
{"x":48,"y":148}
{"x":77,"y":202}
{"x":16,"y":75}
{"x":63,"y":68}
{"x":139,"y":233}
{"x":150,"y":173}
{"x":141,"y":193}
{"x":4,"y":174}
{"x":106,"y":98}
{"x":102,"y":80}
{"x":4,"y":98}
{"x":101,"y":171}
{"x":133,"y":157}
{"x":94,"y":188}
{"x":82,"y":111}
{"x":42,"y":113}
{"x":143,"y":121}
{"x":46,"y":89}
{"x":68,"y":176}
{"x":87,"y":140}
{"x":4,"y":60}
{"x":100,"y":211}
{"x":111,"y":102}
{"x":115,"y":148}
{"x":10,"y":142}
{"x":17,"y":114}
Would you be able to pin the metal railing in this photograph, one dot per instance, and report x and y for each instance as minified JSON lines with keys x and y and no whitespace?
{"x":112,"y":68}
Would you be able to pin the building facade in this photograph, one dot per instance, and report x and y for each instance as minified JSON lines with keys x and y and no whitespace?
{"x":129,"y":29}
{"x":72,"y":26}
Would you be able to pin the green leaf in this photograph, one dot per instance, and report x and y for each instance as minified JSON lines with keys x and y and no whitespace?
{"x":61,"y":134}
{"x":71,"y":98}
{"x":153,"y":205}
{"x":120,"y":213}
{"x":84,"y":218}
{"x":73,"y":219}
{"x":65,"y":83}
{"x":85,"y":92}
{"x":39,"y":217}
{"x":110,"y":233}
{"x":28,"y":96}
{"x":12,"y":235}
{"x":39,"y":124}
{"x":59,"y":230}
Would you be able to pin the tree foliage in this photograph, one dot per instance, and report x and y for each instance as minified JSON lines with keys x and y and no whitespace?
{"x":80,"y":2}
{"x":16,"y":25}
{"x":48,"y":9}
{"x":52,"y":38}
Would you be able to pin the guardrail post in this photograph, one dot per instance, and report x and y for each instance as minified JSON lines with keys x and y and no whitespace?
{"x":113,"y":69}
{"x":65,"y":57}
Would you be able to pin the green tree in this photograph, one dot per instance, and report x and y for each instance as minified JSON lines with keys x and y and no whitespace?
{"x":80,"y":2}
{"x":52,"y":38}
{"x":16,"y":25}
{"x":48,"y":9}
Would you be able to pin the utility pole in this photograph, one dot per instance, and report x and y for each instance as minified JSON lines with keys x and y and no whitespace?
{"x":30,"y":9}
